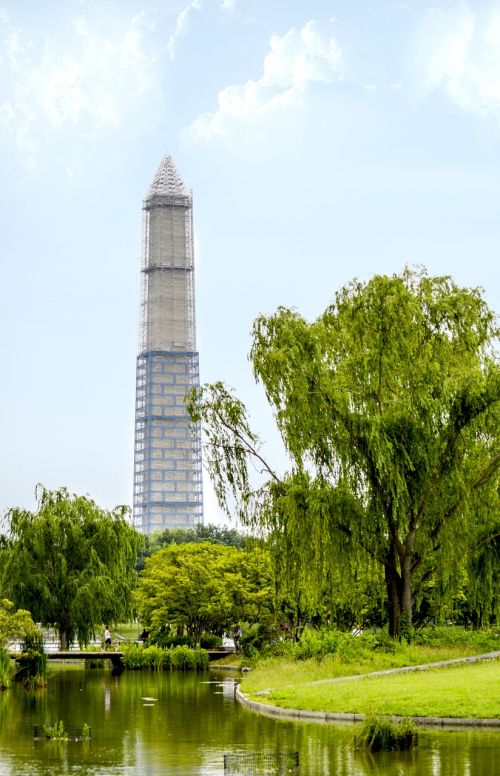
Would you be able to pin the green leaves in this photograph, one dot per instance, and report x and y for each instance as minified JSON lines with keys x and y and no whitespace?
{"x":14,"y":623}
{"x":204,"y":587}
{"x":70,"y":563}
{"x":392,"y":395}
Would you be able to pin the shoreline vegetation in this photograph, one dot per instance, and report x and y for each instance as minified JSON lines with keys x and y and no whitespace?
{"x":137,"y":657}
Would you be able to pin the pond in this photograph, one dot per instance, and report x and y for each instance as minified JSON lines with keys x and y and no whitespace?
{"x":183,"y":724}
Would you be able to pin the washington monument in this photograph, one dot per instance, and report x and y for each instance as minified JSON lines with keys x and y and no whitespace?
{"x":167,"y":457}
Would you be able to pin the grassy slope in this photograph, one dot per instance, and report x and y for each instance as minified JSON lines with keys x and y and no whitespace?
{"x":469,"y":690}
{"x":279,"y":672}
{"x":460,"y":691}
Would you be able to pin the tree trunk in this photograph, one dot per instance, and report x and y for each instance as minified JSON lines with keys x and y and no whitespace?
{"x":63,"y":638}
{"x":393,"y":583}
{"x":399,"y":596}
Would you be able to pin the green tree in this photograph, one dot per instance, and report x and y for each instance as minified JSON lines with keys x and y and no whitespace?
{"x":481,"y":606}
{"x":70,"y":563}
{"x":388,"y":407}
{"x":200,"y":533}
{"x":204,"y":587}
{"x":14,"y":623}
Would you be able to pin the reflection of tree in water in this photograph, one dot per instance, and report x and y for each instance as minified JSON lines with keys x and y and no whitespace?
{"x":191,"y":724}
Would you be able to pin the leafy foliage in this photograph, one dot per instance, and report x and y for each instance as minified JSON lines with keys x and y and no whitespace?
{"x":6,"y":669}
{"x":14,"y":623}
{"x":388,"y":407}
{"x":204,"y":587}
{"x":200,"y":533}
{"x":70,"y":563}
{"x":32,"y":663}
{"x":137,"y":657}
{"x":381,"y":735}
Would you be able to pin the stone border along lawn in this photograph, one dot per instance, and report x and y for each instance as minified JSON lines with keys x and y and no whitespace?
{"x":323,"y":716}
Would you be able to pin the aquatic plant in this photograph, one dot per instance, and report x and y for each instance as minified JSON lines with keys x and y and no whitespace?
{"x":137,"y":657}
{"x":379,"y":734}
{"x":55,"y":731}
{"x":58,"y":732}
{"x":32,"y":663}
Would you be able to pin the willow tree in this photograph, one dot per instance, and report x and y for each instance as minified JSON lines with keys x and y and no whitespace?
{"x":388,"y":407}
{"x":70,"y":563}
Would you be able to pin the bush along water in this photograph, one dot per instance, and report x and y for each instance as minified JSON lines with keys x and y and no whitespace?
{"x":137,"y":657}
{"x":328,"y":641}
{"x":382,"y":735}
{"x":32,"y":663}
{"x":320,"y":643}
{"x":7,"y":669}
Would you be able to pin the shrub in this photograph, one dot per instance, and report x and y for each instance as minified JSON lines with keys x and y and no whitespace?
{"x":166,"y":638}
{"x":32,"y":663}
{"x":154,"y":657}
{"x":182,"y":658}
{"x":133,"y":657}
{"x":7,"y":668}
{"x":254,"y":638}
{"x":485,"y":640}
{"x":210,"y":641}
{"x":378,"y":734}
{"x":327,"y":641}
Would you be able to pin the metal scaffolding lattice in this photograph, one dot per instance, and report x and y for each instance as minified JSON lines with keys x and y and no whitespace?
{"x":167,"y":464}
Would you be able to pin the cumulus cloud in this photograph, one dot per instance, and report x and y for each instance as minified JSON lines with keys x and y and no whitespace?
{"x":181,"y":25}
{"x":86,"y":83}
{"x":458,"y":52}
{"x":295,"y":60}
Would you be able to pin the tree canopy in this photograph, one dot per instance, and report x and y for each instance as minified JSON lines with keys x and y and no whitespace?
{"x":200,"y":533}
{"x":14,"y":623}
{"x":204,"y":587}
{"x":388,"y":407}
{"x":70,"y":563}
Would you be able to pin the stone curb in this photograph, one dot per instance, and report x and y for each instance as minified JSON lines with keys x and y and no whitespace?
{"x":405,"y":669}
{"x":333,"y":717}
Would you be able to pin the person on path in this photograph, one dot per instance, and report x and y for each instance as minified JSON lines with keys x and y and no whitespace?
{"x":107,"y":637}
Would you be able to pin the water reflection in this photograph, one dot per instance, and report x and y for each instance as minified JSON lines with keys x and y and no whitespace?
{"x":148,"y":723}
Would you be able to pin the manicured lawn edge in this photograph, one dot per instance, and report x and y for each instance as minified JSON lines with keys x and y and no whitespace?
{"x":335,"y":717}
{"x":324,"y":716}
{"x":407,"y":669}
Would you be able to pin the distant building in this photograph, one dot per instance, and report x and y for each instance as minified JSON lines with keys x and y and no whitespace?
{"x":167,"y":464}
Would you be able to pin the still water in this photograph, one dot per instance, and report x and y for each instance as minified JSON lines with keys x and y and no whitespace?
{"x":181,"y":725}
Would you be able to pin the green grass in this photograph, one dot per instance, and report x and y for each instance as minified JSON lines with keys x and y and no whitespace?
{"x":127,"y":630}
{"x":469,"y":690}
{"x":278,"y":672}
{"x":382,"y":735}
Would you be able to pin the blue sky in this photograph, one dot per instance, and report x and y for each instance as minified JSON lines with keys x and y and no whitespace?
{"x":323,"y":140}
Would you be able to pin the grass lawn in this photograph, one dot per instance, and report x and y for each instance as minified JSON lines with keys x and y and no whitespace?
{"x":471,"y":690}
{"x":127,"y":630}
{"x":279,"y":672}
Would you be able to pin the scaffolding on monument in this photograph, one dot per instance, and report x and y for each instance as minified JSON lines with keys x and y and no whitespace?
{"x":168,"y":466}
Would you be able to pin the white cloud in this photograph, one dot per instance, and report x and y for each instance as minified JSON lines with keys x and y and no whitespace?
{"x":181,"y":26}
{"x":458,"y":51}
{"x":295,"y":60}
{"x":88,"y":82}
